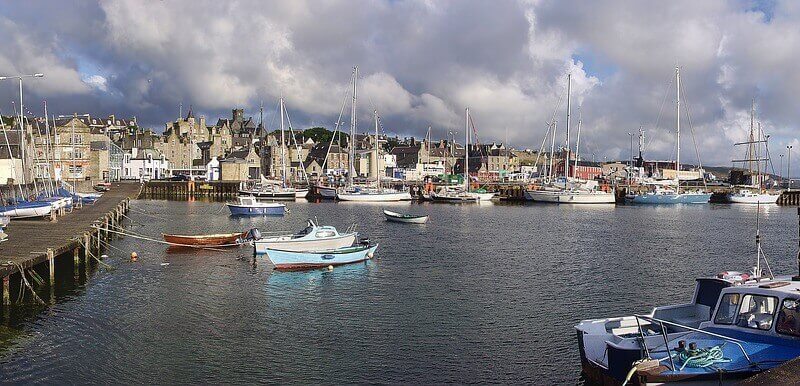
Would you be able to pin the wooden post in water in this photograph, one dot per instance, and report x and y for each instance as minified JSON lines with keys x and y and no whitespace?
{"x":76,"y":263}
{"x":6,"y":292}
{"x":51,"y":262}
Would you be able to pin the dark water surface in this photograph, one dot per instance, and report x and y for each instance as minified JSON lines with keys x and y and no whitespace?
{"x":483,"y":293}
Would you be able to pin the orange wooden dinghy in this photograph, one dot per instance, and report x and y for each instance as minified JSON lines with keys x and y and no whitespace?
{"x":223,"y":239}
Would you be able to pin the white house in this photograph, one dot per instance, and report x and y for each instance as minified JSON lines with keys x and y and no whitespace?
{"x":145,"y":166}
{"x":212,"y":170}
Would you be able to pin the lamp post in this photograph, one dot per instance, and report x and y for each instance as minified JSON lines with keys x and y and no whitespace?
{"x":780,"y":172}
{"x":21,"y":115}
{"x":789,"y":166}
{"x":630,"y":161}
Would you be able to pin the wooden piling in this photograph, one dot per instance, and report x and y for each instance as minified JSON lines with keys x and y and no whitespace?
{"x":6,"y":291}
{"x":51,"y":261}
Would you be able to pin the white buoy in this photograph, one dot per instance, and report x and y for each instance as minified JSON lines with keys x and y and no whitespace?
{"x":370,"y":255}
{"x":330,"y":268}
{"x":164,"y":264}
{"x":104,"y":256}
{"x":134,"y":257}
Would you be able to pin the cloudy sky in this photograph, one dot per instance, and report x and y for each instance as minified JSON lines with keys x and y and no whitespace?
{"x":422,"y":62}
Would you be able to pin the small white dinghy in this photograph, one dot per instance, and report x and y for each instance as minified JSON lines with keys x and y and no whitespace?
{"x":406,"y":218}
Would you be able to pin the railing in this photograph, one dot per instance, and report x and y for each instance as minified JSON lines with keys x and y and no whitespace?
{"x":661,"y":323}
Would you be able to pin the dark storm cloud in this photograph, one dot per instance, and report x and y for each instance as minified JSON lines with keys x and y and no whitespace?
{"x":421,"y":63}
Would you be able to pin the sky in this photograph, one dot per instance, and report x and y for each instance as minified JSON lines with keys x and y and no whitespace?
{"x":422,"y":62}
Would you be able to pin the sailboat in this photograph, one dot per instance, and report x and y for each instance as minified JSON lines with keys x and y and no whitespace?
{"x":17,"y":208}
{"x":361,"y":193}
{"x":666,"y":195}
{"x":278,"y":190}
{"x":760,"y":196}
{"x":574,"y":190}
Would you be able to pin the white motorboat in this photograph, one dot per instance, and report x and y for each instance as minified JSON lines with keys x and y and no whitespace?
{"x":312,"y":238}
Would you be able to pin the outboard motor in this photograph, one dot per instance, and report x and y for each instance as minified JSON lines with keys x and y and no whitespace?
{"x":364,"y":241}
{"x":253,"y":234}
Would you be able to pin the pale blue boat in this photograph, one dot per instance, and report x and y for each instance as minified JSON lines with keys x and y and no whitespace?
{"x":249,"y":206}
{"x":289,"y":260}
{"x":668,"y":196}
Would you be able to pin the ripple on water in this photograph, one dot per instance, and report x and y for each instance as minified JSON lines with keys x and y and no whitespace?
{"x":479,"y":294}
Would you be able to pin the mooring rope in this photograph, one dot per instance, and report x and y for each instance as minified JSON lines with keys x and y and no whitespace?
{"x":27,"y":284}
{"x":89,"y":251}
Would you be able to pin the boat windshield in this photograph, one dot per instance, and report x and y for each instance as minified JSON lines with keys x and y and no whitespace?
{"x":757,"y":312}
{"x":303,"y":232}
{"x":789,"y":318}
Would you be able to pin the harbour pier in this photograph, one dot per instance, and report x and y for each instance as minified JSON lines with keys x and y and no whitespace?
{"x":193,"y":189}
{"x":40,"y":244}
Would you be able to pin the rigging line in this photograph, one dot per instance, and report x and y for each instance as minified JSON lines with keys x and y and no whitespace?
{"x":27,"y":284}
{"x":660,"y":112}
{"x":336,"y":128}
{"x":694,"y":140}
{"x":296,"y":146}
{"x":766,"y":149}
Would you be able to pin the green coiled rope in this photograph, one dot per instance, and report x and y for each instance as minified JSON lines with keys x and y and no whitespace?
{"x":701,"y":358}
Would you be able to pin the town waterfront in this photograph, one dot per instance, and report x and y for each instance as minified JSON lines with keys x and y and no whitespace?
{"x":482,"y":293}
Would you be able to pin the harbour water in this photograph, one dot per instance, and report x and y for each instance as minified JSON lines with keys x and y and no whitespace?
{"x":481,"y":293}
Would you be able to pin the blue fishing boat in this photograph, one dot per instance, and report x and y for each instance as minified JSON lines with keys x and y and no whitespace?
{"x":668,"y":196}
{"x":737,"y":325}
{"x":249,"y":206}
{"x":290,"y":260}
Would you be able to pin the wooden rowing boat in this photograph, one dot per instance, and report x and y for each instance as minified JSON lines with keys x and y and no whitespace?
{"x":223,"y":239}
{"x":406,"y":218}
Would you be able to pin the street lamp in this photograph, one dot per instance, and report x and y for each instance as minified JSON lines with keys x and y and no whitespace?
{"x":789,"y":165}
{"x":630,"y":161}
{"x":22,"y":113}
{"x":780,"y":172}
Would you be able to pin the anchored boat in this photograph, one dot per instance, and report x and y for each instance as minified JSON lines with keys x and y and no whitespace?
{"x":249,"y":206}
{"x":223,"y":239}
{"x":312,"y":237}
{"x":406,"y":218}
{"x":292,"y":260}
{"x":736,"y":325}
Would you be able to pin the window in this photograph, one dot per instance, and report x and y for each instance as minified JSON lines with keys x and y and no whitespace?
{"x":727,"y":309}
{"x":757,"y":312}
{"x":789,"y":318}
{"x":323,"y":234}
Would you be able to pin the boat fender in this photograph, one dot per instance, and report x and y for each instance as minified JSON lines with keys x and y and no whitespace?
{"x":370,"y":255}
{"x":330,"y":268}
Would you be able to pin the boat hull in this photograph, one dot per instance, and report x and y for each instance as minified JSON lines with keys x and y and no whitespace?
{"x":754,"y":199}
{"x":374,"y":197}
{"x":204,"y":240}
{"x":26,"y":210}
{"x":282,"y":195}
{"x":326,"y":192}
{"x":682,"y":198}
{"x":399,"y":217}
{"x":485,"y":196}
{"x":300,"y":193}
{"x":570,"y":197}
{"x":279,"y":243}
{"x":246,"y":210}
{"x":288,"y":260}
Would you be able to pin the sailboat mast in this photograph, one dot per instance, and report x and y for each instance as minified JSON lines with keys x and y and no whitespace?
{"x":552,"y":151}
{"x":566,"y":154}
{"x":466,"y":149}
{"x":751,"y":149}
{"x":11,"y":157}
{"x":283,"y":147}
{"x":578,"y":141}
{"x":353,"y":130}
{"x":377,"y":153}
{"x":678,"y":128}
